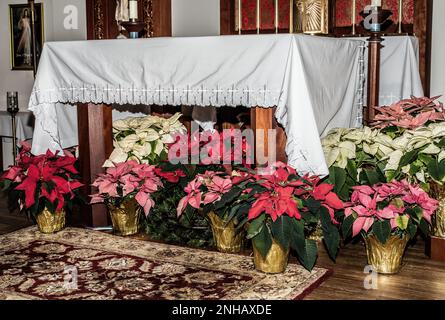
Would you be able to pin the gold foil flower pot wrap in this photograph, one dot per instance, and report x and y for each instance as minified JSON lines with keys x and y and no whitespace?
{"x":275,"y":260}
{"x":386,"y":258}
{"x":437,"y":191}
{"x":126,"y":217}
{"x":50,"y":222}
{"x":227,"y":238}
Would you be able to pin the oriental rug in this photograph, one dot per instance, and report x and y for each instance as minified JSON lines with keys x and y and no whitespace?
{"x":85,"y":264}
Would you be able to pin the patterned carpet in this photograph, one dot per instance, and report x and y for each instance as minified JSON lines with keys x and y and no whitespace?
{"x":85,"y":264}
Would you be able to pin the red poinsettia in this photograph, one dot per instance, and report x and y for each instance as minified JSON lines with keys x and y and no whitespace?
{"x":46,"y":180}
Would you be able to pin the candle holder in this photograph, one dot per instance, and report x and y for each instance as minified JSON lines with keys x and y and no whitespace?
{"x":12,"y":106}
{"x":133,"y":27}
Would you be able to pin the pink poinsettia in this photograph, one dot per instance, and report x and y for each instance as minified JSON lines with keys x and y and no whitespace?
{"x":206,"y":188}
{"x":387,"y":201}
{"x":127,"y":180}
{"x":409,"y":114}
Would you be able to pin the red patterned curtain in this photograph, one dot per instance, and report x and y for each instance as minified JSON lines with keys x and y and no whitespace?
{"x":267,"y":14}
{"x":343,"y":9}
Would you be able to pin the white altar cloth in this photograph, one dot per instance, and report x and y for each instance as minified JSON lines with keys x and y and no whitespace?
{"x":255,"y":70}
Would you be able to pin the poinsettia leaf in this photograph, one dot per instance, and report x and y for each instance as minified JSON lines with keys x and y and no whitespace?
{"x":351,"y":169}
{"x":232,"y":213}
{"x":408,"y":157}
{"x":256,"y":226}
{"x":306,"y":249}
{"x":331,"y":236}
{"x":263,"y":241}
{"x":402,"y":222}
{"x":424,"y":227}
{"x":228,"y":197}
{"x":426,"y":159}
{"x":441,"y":143}
{"x":281,"y":230}
{"x":436,"y":169}
{"x":346,"y":227}
{"x":312,"y":205}
{"x":411,"y":229}
{"x":382,"y":230}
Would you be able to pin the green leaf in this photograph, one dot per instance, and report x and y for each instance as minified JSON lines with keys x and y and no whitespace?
{"x":407,"y":158}
{"x":426,"y":159}
{"x":256,"y":226}
{"x":263,"y":241}
{"x":331,"y":235}
{"x":437,"y":169}
{"x":382,"y":230}
{"x":351,"y":169}
{"x":306,"y":249}
{"x":412,"y":229}
{"x":402,"y":222}
{"x":346,"y":227}
{"x":424,"y":227}
{"x":281,"y":230}
{"x":441,"y":143}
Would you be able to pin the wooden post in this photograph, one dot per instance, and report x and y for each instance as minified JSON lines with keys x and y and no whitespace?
{"x":375,"y":44}
{"x":435,"y":248}
{"x":95,"y":146}
{"x":263,"y":118}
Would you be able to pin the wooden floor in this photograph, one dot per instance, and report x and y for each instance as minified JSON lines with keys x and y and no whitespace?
{"x":420,"y":277}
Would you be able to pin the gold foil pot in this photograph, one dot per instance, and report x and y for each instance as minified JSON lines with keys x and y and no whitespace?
{"x":317,"y":233}
{"x":227,"y":238}
{"x":437,"y":191}
{"x":126,"y":217}
{"x":386,"y":258}
{"x":275,"y":260}
{"x":50,"y":222}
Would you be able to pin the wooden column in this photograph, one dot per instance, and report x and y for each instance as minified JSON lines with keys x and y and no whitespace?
{"x":374,"y":46}
{"x":263,"y":118}
{"x":95,"y":146}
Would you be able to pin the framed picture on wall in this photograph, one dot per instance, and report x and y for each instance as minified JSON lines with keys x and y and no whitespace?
{"x":21,"y":35}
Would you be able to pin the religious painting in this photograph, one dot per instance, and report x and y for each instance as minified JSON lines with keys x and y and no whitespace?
{"x":21,"y":40}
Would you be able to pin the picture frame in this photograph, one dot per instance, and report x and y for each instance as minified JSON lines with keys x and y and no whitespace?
{"x":21,"y":35}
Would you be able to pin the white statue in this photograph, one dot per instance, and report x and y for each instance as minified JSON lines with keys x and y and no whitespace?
{"x":122,"y":10}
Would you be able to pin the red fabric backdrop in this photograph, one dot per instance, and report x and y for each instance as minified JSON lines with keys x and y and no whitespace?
{"x":343,"y":10}
{"x":267,"y":14}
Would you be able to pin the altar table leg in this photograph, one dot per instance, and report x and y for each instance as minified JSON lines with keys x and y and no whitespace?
{"x":95,"y":125}
{"x":263,"y":118}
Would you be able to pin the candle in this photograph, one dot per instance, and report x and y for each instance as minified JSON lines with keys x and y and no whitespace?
{"x":133,"y":9}
{"x":353,"y":15}
{"x":400,"y":15}
{"x":376,"y":3}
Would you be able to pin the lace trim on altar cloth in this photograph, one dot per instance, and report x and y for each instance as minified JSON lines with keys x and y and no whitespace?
{"x":43,"y":104}
{"x":201,"y":96}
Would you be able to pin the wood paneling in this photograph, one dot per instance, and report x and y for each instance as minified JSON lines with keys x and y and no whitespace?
{"x":162,"y":23}
{"x":227,"y":17}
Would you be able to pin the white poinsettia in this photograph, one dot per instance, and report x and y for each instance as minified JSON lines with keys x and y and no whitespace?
{"x":144,"y":139}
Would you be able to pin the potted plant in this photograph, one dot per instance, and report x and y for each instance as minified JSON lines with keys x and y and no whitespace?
{"x":126,"y":189}
{"x":43,"y":186}
{"x":283,"y":206}
{"x":387,"y":215}
{"x":418,"y":128}
{"x":191,"y":228}
{"x":217,"y":195}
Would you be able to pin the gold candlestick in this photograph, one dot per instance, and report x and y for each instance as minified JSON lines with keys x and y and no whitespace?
{"x":291,"y":17}
{"x":239,"y":17}
{"x":258,"y":19}
{"x":353,"y":15}
{"x":276,"y":17}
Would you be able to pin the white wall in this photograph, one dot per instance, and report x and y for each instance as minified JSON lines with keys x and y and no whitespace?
{"x":22,"y":81}
{"x":438,"y":58}
{"x":195,"y":18}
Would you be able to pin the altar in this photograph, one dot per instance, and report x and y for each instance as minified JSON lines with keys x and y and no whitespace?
{"x":299,"y":75}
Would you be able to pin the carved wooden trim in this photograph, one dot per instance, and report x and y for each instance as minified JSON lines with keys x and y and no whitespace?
{"x":98,"y":20}
{"x":148,"y":19}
